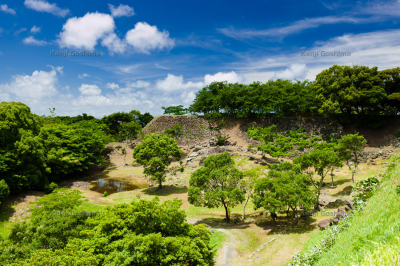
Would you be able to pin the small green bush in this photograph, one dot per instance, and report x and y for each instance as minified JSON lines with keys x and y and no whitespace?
{"x":4,"y":190}
{"x":105,"y":194}
{"x":221,"y":140}
{"x":48,"y":188}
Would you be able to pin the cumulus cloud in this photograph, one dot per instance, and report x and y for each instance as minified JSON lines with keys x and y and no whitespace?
{"x":114,"y":44}
{"x":112,"y":86}
{"x":19,"y":31}
{"x":144,"y":38}
{"x":84,"y":75}
{"x":44,"y":6}
{"x":121,"y":11}
{"x":230,"y":77}
{"x":7,"y":9}
{"x":294,"y":71}
{"x":35,"y":29}
{"x":139,"y":84}
{"x":84,"y":32}
{"x":90,"y":90}
{"x":175,"y":83}
{"x":32,"y":41}
{"x":37,"y":86}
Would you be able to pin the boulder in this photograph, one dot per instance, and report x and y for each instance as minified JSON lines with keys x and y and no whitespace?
{"x":340,"y":215}
{"x":118,"y":146}
{"x":324,"y":224}
{"x":202,"y":161}
{"x":342,"y":209}
{"x":197,"y":148}
{"x":193,"y":155}
{"x":349,"y":203}
{"x":335,"y":221}
{"x":251,"y":158}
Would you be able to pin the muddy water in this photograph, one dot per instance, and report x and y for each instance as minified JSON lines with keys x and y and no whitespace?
{"x":114,"y":185}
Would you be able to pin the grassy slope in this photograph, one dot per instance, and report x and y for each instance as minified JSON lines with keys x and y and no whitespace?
{"x":378,"y":223}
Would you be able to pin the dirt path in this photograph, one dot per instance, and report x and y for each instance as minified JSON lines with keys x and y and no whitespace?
{"x":227,"y":253}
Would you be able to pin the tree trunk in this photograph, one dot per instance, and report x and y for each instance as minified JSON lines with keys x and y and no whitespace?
{"x":352,"y":174}
{"x":332,"y":175}
{"x":244,"y":210}
{"x":159,"y":183}
{"x":227,"y":214}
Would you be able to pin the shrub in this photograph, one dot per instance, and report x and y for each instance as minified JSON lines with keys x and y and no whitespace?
{"x":398,"y":189}
{"x":49,"y":188}
{"x":221,"y":140}
{"x":105,"y":194}
{"x":4,"y":190}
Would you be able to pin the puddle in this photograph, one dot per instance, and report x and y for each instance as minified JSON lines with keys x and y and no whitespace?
{"x":112,"y":185}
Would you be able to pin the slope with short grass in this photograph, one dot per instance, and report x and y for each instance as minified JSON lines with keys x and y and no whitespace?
{"x":376,"y":228}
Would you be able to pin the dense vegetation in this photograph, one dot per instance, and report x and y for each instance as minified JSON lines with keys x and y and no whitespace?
{"x":141,"y":233}
{"x":351,"y":93}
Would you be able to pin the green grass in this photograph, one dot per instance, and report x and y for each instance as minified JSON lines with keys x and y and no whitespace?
{"x":216,"y":240}
{"x":378,"y":223}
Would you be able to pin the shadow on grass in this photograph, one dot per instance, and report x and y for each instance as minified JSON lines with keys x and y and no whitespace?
{"x":219,"y":223}
{"x":287,"y":225}
{"x":166,"y":190}
{"x":345,"y":191}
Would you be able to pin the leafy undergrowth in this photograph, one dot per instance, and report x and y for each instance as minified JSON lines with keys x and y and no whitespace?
{"x":216,"y":240}
{"x":373,"y":228}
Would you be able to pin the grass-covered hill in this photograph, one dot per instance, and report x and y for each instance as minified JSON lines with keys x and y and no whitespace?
{"x":373,"y":235}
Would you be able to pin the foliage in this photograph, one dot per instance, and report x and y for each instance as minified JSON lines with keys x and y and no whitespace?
{"x":364,"y":189}
{"x":398,"y":189}
{"x":105,"y":194}
{"x":155,"y":153}
{"x":318,"y":162}
{"x":221,"y":140}
{"x":248,"y":185}
{"x":349,"y":148}
{"x":142,"y":233}
{"x":4,"y":190}
{"x":283,"y":191}
{"x":176,"y":131}
{"x":130,"y":130}
{"x":216,"y":184}
{"x":48,"y":188}
{"x":175,"y":110}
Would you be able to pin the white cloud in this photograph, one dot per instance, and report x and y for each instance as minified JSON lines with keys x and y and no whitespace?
{"x":84,"y":75}
{"x":175,"y":83}
{"x":112,"y":86}
{"x":144,"y":38}
{"x":39,"y":85}
{"x":7,"y":9}
{"x":294,"y":71}
{"x":35,"y":29}
{"x":114,"y":43}
{"x":121,"y":11}
{"x":295,"y":27}
{"x":44,"y":6}
{"x":139,"y":84}
{"x":19,"y":31}
{"x":230,"y":77}
{"x":32,"y":41}
{"x":84,"y":32}
{"x":90,"y":90}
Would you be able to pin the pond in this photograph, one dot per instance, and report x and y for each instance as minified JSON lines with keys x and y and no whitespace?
{"x":113,"y":185}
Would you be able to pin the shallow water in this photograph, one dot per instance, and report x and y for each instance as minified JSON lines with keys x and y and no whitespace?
{"x":112,"y":185}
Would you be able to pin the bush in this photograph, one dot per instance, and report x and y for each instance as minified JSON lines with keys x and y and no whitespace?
{"x":221,"y":140}
{"x":49,"y":188}
{"x":105,"y":194}
{"x":4,"y":190}
{"x":365,"y":189}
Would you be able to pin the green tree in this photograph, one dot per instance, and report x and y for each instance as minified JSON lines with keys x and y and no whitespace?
{"x":175,"y":110}
{"x":216,"y":184}
{"x":318,"y":162}
{"x":283,"y":191}
{"x":350,"y":147}
{"x":155,"y":153}
{"x":248,"y":184}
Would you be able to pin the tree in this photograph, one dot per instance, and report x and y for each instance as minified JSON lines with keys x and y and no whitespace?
{"x":175,"y":110}
{"x":248,"y":184}
{"x":318,"y":162}
{"x":350,"y":148}
{"x":283,"y":191}
{"x":155,"y":153}
{"x":216,"y":184}
{"x":142,"y":119}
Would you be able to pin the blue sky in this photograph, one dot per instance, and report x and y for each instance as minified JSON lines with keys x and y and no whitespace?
{"x":159,"y":53}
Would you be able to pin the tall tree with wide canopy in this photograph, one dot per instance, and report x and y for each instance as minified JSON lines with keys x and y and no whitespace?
{"x":216,"y":184}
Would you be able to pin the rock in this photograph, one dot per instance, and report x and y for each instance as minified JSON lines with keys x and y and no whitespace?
{"x":256,"y":161}
{"x":263,"y":163}
{"x":349,"y":203}
{"x":189,"y":159}
{"x":251,"y":158}
{"x":340,"y":215}
{"x":335,"y":221}
{"x":347,"y":208}
{"x":342,"y":209}
{"x":193,"y":155}
{"x":118,"y":146}
{"x":202,"y":161}
{"x":324,"y":224}
{"x":259,"y":153}
{"x":197,"y":148}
